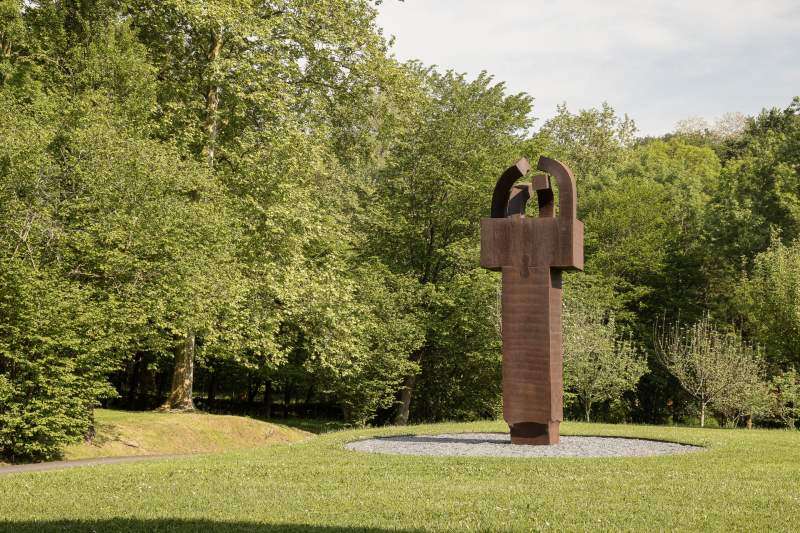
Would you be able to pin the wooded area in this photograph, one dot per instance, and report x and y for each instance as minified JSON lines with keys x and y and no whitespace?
{"x":253,"y":207}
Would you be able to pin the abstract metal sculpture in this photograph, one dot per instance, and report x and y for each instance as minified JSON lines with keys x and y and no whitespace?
{"x":531,"y":253}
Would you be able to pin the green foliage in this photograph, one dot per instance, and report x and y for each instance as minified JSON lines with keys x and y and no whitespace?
{"x":362,"y":360}
{"x":54,"y":338}
{"x":423,"y":219}
{"x":646,"y":223}
{"x":749,"y":399}
{"x":461,"y":370}
{"x":785,"y":390}
{"x":592,"y":142}
{"x":717,"y":368}
{"x":429,"y":197}
{"x":769,"y":299}
{"x":106,"y":224}
{"x":759,"y":189}
{"x":599,"y":363}
{"x":53,"y":358}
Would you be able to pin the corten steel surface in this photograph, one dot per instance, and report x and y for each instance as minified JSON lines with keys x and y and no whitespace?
{"x":531,"y":252}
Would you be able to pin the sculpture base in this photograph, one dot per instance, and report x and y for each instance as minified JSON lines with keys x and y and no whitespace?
{"x":534,"y":433}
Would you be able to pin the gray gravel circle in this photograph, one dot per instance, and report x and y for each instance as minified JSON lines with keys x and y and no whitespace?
{"x":499,"y":445}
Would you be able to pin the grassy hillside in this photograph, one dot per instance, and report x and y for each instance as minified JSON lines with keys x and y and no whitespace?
{"x":746,"y":480}
{"x":122,"y":433}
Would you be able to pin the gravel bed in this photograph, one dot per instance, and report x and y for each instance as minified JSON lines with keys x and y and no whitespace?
{"x":499,"y":445}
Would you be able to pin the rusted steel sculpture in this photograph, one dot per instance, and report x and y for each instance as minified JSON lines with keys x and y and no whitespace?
{"x":531,"y":252}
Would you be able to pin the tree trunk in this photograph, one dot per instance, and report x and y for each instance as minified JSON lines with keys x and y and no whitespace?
{"x":749,"y":422}
{"x":133,"y":380}
{"x":211,"y":124}
{"x":5,"y":51}
{"x":407,"y":391}
{"x":287,"y":398}
{"x":405,"y":400}
{"x":587,"y":407}
{"x":91,"y":431}
{"x":180,"y":396}
{"x":252,"y":390}
{"x":212,"y":386}
{"x":161,"y":385}
{"x":309,"y":397}
{"x":702,"y":415}
{"x":268,"y":398}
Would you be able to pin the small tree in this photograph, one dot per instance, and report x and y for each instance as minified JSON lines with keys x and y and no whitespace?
{"x":785,"y":390}
{"x":598,"y":364}
{"x":713,"y":366}
{"x":749,"y":399}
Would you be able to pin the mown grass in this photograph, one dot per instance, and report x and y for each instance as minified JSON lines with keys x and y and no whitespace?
{"x":121,"y":433}
{"x":745,"y":480}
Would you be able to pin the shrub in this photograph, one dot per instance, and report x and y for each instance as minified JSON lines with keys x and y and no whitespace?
{"x":51,"y":373}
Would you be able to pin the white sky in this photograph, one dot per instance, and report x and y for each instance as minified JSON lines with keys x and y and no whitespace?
{"x":658,"y":61}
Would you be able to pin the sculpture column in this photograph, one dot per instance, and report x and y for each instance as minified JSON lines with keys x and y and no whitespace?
{"x":532,"y":373}
{"x":531,"y":253}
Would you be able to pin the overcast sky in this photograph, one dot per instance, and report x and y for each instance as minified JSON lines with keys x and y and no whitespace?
{"x":658,"y":61}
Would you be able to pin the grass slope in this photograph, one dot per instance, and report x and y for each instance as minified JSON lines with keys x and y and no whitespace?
{"x":746,"y":480}
{"x":121,"y":433}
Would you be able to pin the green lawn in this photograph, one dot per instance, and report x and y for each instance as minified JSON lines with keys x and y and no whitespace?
{"x":746,"y":480}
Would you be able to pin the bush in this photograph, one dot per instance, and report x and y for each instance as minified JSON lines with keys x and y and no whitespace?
{"x":50,"y":372}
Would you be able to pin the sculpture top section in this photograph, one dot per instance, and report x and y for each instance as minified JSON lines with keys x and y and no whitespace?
{"x":567,"y":196}
{"x":509,"y":238}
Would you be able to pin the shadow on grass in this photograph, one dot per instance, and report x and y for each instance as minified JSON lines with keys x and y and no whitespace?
{"x":312,"y":425}
{"x":176,"y":525}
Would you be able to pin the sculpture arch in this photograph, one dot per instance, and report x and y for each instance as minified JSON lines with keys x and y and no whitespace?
{"x":567,"y":194}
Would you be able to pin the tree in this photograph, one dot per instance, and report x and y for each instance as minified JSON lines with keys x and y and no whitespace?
{"x":645,"y":223}
{"x":644,"y":207}
{"x":362,"y":358}
{"x":599,"y":365}
{"x":423,"y":220}
{"x":105,"y":218}
{"x":273,"y":97}
{"x":683,"y":179}
{"x":12,"y":36}
{"x":749,"y":398}
{"x":593,"y":142}
{"x":57,"y":340}
{"x":769,"y":299}
{"x":461,"y":378}
{"x":759,"y":192}
{"x":54,"y":357}
{"x":727,"y":127}
{"x":711,"y":365}
{"x":785,"y":389}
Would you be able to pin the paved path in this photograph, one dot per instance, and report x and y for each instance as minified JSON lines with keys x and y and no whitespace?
{"x":60,"y":465}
